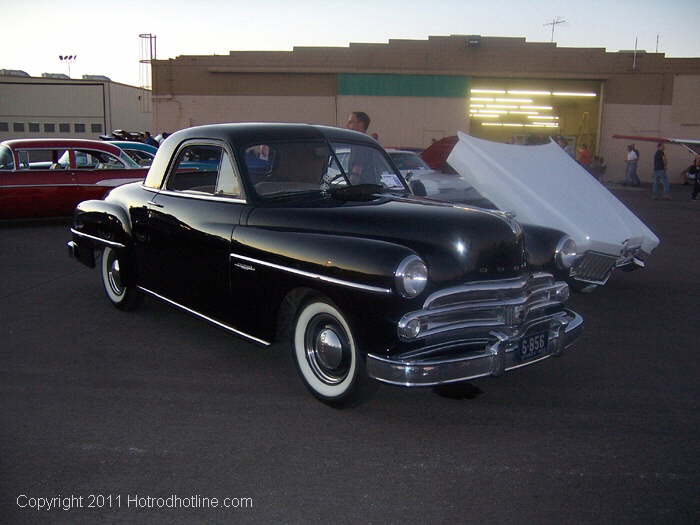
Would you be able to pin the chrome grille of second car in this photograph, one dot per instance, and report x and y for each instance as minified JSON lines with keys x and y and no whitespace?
{"x":594,"y":267}
{"x":483,"y":304}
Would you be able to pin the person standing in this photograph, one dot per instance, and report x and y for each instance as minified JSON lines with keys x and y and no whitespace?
{"x":631,"y":178}
{"x":361,"y":169}
{"x":584,"y":157}
{"x":694,"y":170}
{"x":660,"y":176}
{"x":150,"y":140}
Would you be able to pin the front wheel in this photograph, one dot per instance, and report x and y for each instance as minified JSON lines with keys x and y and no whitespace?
{"x":120,"y":295}
{"x":326,"y":355}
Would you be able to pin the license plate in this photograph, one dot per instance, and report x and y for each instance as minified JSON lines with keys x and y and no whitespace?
{"x":533,"y":345}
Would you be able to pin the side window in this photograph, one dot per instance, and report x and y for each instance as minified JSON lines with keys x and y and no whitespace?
{"x":42,"y":159}
{"x":196,"y":169}
{"x":6,"y":161}
{"x":96,"y":160}
{"x":228,"y":183}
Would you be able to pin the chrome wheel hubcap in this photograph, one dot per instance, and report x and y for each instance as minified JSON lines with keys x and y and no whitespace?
{"x":327,"y":349}
{"x":114,"y":275}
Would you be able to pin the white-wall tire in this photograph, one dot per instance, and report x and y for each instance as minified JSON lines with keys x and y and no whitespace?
{"x":120,"y":295}
{"x":333,"y":376}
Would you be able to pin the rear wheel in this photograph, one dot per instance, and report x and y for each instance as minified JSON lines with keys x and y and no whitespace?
{"x":326,"y":355}
{"x":120,"y":295}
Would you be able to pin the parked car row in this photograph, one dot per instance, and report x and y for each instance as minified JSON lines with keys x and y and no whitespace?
{"x":49,"y":177}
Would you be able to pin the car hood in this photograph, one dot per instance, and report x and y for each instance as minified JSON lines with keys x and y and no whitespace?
{"x":455,"y":241}
{"x":543,"y":186}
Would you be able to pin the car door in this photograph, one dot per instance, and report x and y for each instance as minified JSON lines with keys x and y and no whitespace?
{"x":97,"y":172}
{"x":190,"y":221}
{"x":33,"y":184}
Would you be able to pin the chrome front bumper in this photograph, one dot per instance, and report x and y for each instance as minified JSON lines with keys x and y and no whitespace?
{"x":499,"y":354}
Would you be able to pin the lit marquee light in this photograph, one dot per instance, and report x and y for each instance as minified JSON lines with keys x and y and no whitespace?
{"x":494,"y":91}
{"x":491,"y":124}
{"x":484,"y":115}
{"x":524,"y":112}
{"x":501,"y":106}
{"x":572,"y":94}
{"x":546,"y":117}
{"x":523,"y":100}
{"x":482,"y":99}
{"x":549,"y":108}
{"x":525,"y":92}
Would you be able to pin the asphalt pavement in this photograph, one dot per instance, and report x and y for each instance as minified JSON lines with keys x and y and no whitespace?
{"x":106,"y":411}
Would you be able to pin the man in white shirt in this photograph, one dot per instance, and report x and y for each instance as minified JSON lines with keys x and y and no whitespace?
{"x":631,"y":178}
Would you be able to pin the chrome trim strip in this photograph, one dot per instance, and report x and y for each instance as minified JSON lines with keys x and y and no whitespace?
{"x":316,"y":276}
{"x":206,"y":318}
{"x":200,"y":197}
{"x":98,"y":239}
{"x":39,"y":186}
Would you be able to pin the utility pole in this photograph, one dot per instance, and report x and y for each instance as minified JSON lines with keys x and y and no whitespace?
{"x":555,"y":22}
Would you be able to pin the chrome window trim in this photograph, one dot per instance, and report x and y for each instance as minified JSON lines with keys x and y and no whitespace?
{"x":316,"y":276}
{"x":39,"y":185}
{"x":215,"y":198}
{"x":98,"y":239}
{"x":205,"y":317}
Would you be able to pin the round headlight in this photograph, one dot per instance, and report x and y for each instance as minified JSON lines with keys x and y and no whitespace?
{"x":411,"y":276}
{"x":565,"y":253}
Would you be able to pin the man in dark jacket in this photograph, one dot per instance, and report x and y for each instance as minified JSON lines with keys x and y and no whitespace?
{"x":660,"y":177}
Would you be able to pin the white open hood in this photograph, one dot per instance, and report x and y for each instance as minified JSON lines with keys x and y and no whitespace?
{"x":542,"y":185}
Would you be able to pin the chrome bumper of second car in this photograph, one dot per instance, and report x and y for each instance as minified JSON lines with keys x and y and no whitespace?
{"x":499,"y":354}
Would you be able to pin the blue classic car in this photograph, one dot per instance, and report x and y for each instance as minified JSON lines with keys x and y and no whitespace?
{"x":278,"y":239}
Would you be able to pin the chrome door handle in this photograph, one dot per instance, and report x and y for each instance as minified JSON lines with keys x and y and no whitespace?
{"x":154,"y":204}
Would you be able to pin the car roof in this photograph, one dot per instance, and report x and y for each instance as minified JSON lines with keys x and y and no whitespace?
{"x":393,"y":150}
{"x":248,"y":133}
{"x":62,"y":143}
{"x":129,"y":144}
{"x":245,"y":134}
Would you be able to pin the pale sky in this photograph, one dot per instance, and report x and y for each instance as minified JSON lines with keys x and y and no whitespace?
{"x":104,"y":34}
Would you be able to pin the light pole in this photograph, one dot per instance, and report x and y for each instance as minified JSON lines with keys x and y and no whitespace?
{"x":68,"y":60}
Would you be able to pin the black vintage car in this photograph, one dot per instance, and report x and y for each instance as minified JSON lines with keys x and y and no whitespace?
{"x":278,"y":238}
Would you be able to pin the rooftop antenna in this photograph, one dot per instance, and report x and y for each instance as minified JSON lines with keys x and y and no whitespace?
{"x":555,"y":22}
{"x":634,"y":57}
{"x":657,"y":43}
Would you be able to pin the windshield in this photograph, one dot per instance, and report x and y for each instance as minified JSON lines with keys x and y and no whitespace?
{"x":284,"y":168}
{"x":408,"y":161}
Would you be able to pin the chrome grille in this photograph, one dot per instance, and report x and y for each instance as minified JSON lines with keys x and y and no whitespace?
{"x":486,"y":304}
{"x":594,"y":267}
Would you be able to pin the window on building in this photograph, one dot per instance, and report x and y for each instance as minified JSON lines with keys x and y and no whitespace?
{"x":34,"y":127}
{"x":18,"y":126}
{"x":4,"y":126}
{"x":96,"y":128}
{"x":64,"y":127}
{"x":79,"y":128}
{"x":49,"y":128}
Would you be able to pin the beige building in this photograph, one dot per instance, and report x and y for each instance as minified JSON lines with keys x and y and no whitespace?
{"x":32,"y":107}
{"x":503,"y":89}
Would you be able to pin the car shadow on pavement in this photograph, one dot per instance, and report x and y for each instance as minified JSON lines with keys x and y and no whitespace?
{"x":458,"y":391}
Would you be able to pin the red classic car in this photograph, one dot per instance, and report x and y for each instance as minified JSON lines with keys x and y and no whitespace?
{"x":48,"y":177}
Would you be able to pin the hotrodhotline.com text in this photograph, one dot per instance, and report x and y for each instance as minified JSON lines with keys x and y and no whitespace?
{"x":129,"y":501}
